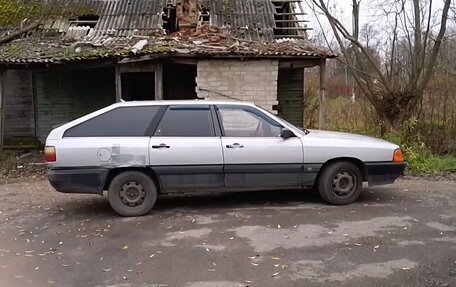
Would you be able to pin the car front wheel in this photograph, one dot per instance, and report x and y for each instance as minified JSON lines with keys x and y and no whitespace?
{"x":132,"y":193}
{"x":340,"y":183}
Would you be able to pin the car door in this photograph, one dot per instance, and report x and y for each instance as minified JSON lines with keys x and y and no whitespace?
{"x":185,"y":151}
{"x":255,"y":155}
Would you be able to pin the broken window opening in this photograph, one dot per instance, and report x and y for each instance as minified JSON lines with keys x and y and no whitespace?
{"x":85,"y":21}
{"x":288,"y":19}
{"x":204,"y":15}
{"x":169,"y":18}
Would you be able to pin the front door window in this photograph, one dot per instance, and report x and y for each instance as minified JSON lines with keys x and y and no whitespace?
{"x":243,"y":122}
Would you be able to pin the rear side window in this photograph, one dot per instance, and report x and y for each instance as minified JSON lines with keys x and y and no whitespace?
{"x":120,"y":122}
{"x":194,"y":121}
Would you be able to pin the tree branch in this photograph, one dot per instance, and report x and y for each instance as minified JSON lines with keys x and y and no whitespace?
{"x":435,"y":50}
{"x":19,"y":33}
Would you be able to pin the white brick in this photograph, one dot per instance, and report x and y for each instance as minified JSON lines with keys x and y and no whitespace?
{"x":253,"y":81}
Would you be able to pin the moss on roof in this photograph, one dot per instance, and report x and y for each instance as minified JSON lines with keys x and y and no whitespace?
{"x":14,"y":12}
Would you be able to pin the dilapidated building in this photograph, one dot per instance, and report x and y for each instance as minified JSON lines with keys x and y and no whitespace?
{"x":81,"y":55}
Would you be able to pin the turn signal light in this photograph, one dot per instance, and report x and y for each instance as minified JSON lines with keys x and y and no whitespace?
{"x":398,"y":156}
{"x":49,"y":154}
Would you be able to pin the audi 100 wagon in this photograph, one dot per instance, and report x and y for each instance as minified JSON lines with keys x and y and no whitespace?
{"x":139,"y":150}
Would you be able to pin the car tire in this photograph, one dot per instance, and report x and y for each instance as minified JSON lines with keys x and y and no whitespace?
{"x":132,"y":193}
{"x":340,"y":183}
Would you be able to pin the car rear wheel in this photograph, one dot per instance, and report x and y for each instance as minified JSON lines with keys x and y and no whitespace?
{"x":340,"y":183}
{"x":132,"y":193}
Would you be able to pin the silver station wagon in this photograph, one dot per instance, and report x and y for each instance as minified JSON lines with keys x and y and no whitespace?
{"x":138,"y":150}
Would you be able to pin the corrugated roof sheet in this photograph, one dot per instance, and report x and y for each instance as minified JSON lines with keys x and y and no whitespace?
{"x":248,"y":19}
{"x":244,"y":28}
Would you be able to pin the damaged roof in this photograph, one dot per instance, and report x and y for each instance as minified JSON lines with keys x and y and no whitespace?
{"x":135,"y":27}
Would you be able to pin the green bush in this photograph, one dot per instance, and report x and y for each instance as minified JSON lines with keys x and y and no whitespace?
{"x":419,"y":139}
{"x":418,"y":156}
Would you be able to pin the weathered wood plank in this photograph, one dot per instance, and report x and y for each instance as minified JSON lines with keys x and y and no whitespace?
{"x":322,"y":109}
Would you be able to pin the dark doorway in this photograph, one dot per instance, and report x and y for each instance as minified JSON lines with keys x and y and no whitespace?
{"x":290,"y":93}
{"x":138,"y":86}
{"x":179,"y":82}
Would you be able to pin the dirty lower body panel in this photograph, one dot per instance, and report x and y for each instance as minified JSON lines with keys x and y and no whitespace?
{"x":78,"y":180}
{"x":384,"y":172}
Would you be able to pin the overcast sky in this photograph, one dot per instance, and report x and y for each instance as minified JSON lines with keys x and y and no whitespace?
{"x":344,"y":8}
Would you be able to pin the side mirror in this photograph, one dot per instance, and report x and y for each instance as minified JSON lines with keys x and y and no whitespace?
{"x":286,"y":133}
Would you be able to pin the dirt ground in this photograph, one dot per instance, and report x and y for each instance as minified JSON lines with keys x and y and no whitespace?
{"x":398,"y":235}
{"x":16,"y":166}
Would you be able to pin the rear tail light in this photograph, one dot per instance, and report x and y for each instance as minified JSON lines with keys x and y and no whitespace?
{"x":398,"y":156}
{"x":49,"y":154}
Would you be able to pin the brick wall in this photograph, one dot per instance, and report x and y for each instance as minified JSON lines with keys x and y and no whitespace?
{"x":251,"y":81}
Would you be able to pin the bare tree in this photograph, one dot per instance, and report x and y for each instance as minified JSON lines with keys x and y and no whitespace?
{"x":394,"y":81}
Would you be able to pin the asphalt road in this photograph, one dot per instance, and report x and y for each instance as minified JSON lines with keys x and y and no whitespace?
{"x":400,"y":235}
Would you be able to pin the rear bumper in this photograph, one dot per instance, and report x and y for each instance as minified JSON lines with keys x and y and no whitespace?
{"x":75,"y":180}
{"x":384,"y":172}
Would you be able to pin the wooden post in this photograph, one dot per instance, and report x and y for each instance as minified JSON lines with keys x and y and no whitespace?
{"x":159,"y":82}
{"x":118,"y":84}
{"x":322,"y":109}
{"x":35,"y":110}
{"x":303,"y":98}
{"x":2,"y":107}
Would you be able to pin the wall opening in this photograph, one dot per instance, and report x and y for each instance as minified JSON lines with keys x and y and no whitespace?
{"x":288,"y":19}
{"x":138,"y":86}
{"x":204,"y":15}
{"x":169,"y":18}
{"x":179,"y":81}
{"x":290,"y":94}
{"x":85,"y":21}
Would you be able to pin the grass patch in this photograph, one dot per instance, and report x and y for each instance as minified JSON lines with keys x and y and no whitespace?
{"x":432,"y":164}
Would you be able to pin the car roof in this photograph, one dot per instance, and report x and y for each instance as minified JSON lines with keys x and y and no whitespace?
{"x":179,"y":102}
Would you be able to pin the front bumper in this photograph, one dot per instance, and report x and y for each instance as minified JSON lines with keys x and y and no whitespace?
{"x":384,"y":172}
{"x":78,"y":180}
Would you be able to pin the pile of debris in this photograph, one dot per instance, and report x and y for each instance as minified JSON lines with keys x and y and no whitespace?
{"x":206,"y":39}
{"x":202,"y":40}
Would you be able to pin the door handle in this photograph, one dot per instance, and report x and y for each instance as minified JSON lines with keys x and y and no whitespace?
{"x":235,"y":145}
{"x":160,"y":146}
